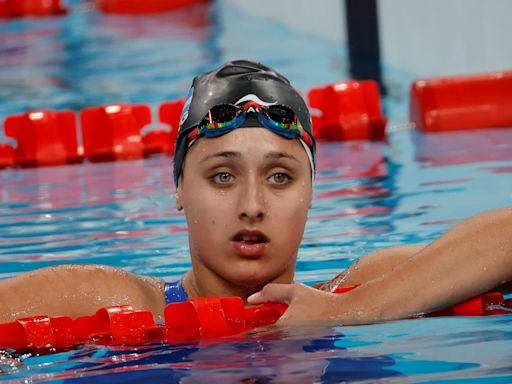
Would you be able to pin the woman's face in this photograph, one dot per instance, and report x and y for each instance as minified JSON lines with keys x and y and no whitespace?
{"x":246,"y":195}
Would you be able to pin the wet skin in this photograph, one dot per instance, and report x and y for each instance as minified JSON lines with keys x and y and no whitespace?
{"x":246,"y":196}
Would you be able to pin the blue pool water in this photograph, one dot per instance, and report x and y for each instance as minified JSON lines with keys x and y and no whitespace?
{"x":368,"y":195}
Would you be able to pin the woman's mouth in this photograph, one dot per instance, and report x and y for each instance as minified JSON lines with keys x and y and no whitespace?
{"x":250,"y":243}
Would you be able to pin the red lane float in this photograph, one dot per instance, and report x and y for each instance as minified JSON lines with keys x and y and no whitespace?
{"x":114,"y":325}
{"x":492,"y":303}
{"x":164,"y":141}
{"x":20,"y":8}
{"x":113,"y":132}
{"x":44,"y":137}
{"x":135,"y":7}
{"x":38,"y":333}
{"x":169,"y":113}
{"x":7,"y":155}
{"x":347,"y":111}
{"x":206,"y":317}
{"x":109,"y":133}
{"x":158,"y":141}
{"x":462,"y":102}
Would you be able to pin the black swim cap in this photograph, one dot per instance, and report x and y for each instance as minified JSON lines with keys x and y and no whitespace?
{"x":233,"y":83}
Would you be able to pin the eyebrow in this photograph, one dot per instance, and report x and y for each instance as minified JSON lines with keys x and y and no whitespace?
{"x":274,"y":155}
{"x":280,"y":155}
{"x":224,"y":154}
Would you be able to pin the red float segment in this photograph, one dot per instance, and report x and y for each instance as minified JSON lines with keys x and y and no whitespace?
{"x":12,"y":336}
{"x":470,"y":307}
{"x":114,"y":325}
{"x":113,"y":132}
{"x":264,"y":315}
{"x":346,"y":289}
{"x":158,"y":141}
{"x":170,"y":113}
{"x":462,"y":102}
{"x":142,"y":7}
{"x":209,"y":317}
{"x":63,"y":331}
{"x":156,"y":333}
{"x":205,"y":317}
{"x":125,"y":325}
{"x":20,"y":8}
{"x":7,"y":155}
{"x":44,"y":137}
{"x":347,"y":111}
{"x":39,"y":333}
{"x":492,"y":303}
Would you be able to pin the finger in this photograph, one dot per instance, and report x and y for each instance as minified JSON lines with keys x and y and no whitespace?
{"x":272,"y":292}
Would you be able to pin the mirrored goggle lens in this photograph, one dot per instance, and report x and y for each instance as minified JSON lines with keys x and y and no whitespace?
{"x":220,"y":114}
{"x":280,"y":114}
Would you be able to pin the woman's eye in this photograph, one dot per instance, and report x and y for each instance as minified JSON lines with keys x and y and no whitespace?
{"x":279,"y":178}
{"x":223,"y":177}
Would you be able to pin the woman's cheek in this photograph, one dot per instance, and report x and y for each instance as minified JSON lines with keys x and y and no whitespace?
{"x":207,"y":215}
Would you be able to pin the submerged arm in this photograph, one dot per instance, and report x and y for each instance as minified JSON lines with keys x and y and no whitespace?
{"x":77,"y":290}
{"x":471,"y":258}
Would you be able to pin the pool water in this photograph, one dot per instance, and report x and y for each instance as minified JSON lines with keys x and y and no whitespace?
{"x":368,"y":195}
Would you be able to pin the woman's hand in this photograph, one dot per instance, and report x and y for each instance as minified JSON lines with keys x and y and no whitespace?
{"x":310,"y":306}
{"x":306,"y":305}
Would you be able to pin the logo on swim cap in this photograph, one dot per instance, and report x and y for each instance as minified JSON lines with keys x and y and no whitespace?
{"x":256,"y":99}
{"x":186,"y":107}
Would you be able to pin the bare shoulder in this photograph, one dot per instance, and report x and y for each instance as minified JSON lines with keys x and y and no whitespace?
{"x":77,"y":290}
{"x":76,"y":274}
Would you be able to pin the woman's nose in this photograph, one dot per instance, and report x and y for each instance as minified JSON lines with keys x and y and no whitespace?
{"x":252,"y":202}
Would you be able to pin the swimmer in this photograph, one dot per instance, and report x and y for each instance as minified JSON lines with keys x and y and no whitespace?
{"x":244,"y":167}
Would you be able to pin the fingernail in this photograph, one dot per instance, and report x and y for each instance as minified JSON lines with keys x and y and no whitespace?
{"x":254,"y":297}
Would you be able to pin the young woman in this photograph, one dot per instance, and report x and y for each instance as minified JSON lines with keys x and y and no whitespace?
{"x":244,"y":166}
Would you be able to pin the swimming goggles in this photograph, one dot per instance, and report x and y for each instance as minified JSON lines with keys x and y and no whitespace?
{"x":224,"y":118}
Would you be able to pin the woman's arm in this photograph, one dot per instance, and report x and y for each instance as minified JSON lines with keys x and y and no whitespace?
{"x":77,"y":290}
{"x":471,"y":258}
{"x":371,"y":266}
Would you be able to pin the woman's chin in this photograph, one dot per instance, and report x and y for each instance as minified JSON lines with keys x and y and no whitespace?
{"x":249,"y":282}
{"x":253,"y":281}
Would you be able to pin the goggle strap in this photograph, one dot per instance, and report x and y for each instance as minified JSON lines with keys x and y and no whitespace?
{"x":192,"y":136}
{"x":310,"y":158}
{"x":306,"y":138}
